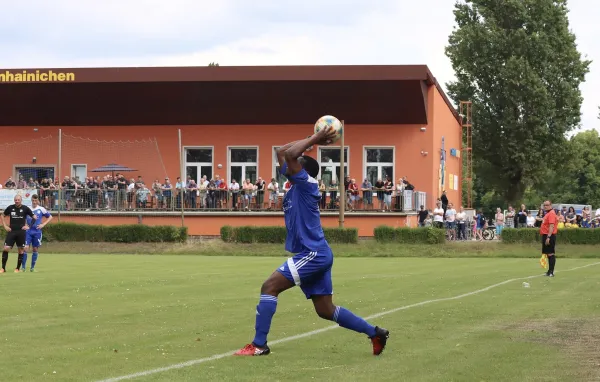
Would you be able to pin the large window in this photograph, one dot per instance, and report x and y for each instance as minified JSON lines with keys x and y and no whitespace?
{"x":243,"y":163}
{"x":379,"y":163}
{"x":281,"y":179}
{"x":79,"y":172}
{"x":199,"y":162}
{"x":329,"y":159}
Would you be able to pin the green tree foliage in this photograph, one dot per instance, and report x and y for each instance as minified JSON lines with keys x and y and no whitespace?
{"x":213,"y":64}
{"x":518,"y":62}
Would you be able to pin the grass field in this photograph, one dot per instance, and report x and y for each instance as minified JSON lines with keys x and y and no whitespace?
{"x":92,"y":317}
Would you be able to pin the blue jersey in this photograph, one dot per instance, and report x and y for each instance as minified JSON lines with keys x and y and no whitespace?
{"x":302,"y":217}
{"x":39,"y":212}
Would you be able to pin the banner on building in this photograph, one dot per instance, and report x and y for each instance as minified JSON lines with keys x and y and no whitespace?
{"x":7,"y":197}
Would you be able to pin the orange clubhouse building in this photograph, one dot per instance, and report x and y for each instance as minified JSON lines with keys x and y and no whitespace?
{"x":398,"y":122}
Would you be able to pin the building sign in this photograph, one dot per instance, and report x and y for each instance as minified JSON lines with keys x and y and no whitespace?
{"x":24,"y":76}
{"x":7,"y":197}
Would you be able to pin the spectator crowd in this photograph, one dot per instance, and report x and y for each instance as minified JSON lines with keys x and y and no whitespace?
{"x":122,"y":194}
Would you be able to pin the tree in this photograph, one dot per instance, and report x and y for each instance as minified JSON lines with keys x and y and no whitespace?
{"x":517,"y":61}
{"x":213,"y":64}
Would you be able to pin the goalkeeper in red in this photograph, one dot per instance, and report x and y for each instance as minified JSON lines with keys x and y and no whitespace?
{"x":310,"y":267}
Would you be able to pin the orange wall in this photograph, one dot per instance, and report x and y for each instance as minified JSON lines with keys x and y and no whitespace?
{"x":211,"y":225}
{"x":445,"y":125}
{"x":158,"y":156}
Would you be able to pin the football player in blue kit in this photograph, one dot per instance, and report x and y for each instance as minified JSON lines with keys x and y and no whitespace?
{"x":310,"y":267}
{"x":34,"y":233}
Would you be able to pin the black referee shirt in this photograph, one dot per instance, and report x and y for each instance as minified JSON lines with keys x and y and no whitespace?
{"x":18,"y":216}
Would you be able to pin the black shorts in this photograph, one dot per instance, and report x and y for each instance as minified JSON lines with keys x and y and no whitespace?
{"x":15,"y":237}
{"x":548,"y":249}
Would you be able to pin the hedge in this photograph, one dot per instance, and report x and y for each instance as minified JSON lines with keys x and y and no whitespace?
{"x":130,"y":233}
{"x":426,"y":235}
{"x":253,"y":234}
{"x":564,"y":236}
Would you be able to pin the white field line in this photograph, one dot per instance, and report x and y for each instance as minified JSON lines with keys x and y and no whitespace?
{"x":313,"y":332}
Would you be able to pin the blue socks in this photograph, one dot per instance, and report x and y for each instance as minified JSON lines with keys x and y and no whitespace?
{"x":347,"y":319}
{"x":34,"y":257}
{"x":24,"y":263}
{"x":265,"y":310}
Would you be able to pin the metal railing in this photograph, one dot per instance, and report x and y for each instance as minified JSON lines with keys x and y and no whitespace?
{"x":84,"y":199}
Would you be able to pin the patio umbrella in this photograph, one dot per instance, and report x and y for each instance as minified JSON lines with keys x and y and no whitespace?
{"x":112,"y":167}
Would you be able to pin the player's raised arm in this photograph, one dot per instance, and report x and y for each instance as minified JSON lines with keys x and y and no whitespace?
{"x":281,"y":153}
{"x":323,"y":137}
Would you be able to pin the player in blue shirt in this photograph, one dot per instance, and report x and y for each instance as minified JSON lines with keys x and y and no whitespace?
{"x":310,"y":267}
{"x":34,"y":233}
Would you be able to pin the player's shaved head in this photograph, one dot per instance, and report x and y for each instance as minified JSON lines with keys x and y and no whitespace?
{"x":310,"y":165}
{"x":18,"y":200}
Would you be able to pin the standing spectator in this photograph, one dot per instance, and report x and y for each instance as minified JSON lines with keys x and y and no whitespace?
{"x":380,"y":193}
{"x":387,"y":198}
{"x":131,"y":194}
{"x":167,"y":189}
{"x":571,"y":217}
{"x":450,"y":222}
{"x":366,"y":187}
{"x":222,"y":194}
{"x":32,"y":184}
{"x":44,"y":192}
{"x":260,"y":193}
{"x":21,"y":184}
{"x":499,"y":222}
{"x":480,"y":225}
{"x":248,"y":189}
{"x":191,"y":193}
{"x":399,"y":192}
{"x":522,"y":217}
{"x":93,"y":188}
{"x":67,"y":188}
{"x":530,"y":221}
{"x":142,"y":196}
{"x":235,"y":191}
{"x":548,"y":232}
{"x":111,"y":189}
{"x":10,"y":184}
{"x":333,"y":191}
{"x":211,"y":197}
{"x":423,"y":215}
{"x":203,"y":189}
{"x":121,"y":192}
{"x":438,"y":216}
{"x":509,"y":220}
{"x":354,"y":194}
{"x":273,"y":188}
{"x":461,"y":223}
{"x":158,"y":195}
{"x":444,"y":200}
{"x":179,"y":187}
{"x":323,"y":191}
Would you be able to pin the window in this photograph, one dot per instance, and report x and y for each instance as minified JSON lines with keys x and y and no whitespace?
{"x":379,"y":163}
{"x":199,"y":163}
{"x":281,"y":179}
{"x":79,"y":172}
{"x":329,"y":160}
{"x":243,"y":163}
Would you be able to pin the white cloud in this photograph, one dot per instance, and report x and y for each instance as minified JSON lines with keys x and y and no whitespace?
{"x":73,"y":33}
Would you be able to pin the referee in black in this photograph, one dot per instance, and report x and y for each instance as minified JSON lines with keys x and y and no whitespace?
{"x":15,"y":232}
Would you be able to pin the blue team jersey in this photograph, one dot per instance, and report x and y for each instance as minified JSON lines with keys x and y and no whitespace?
{"x":302,"y":217}
{"x":39,"y":212}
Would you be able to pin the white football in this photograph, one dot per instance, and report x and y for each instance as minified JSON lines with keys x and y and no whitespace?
{"x":329,"y":120}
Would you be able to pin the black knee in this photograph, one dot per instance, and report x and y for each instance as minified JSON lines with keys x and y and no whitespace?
{"x":326,"y":312}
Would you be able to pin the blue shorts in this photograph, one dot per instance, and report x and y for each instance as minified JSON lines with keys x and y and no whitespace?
{"x":311,"y":271}
{"x":34,"y":239}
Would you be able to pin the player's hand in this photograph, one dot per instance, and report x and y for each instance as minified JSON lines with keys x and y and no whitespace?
{"x":39,"y":226}
{"x":326,"y":136}
{"x":25,"y":227}
{"x":7,"y":228}
{"x":547,"y":241}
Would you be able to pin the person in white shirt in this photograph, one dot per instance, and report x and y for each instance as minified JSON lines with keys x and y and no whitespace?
{"x":451,"y":222}
{"x":461,"y":223}
{"x":438,"y":216}
{"x":530,"y":221}
{"x":235,"y":191}
{"x":273,"y":188}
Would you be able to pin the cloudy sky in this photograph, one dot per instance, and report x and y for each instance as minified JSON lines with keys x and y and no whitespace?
{"x":83,"y":33}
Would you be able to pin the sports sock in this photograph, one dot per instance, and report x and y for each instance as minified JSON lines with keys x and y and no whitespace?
{"x":551,"y":263}
{"x":24,"y":262}
{"x":347,"y":319}
{"x":34,"y":257}
{"x":264,"y":315}
{"x":19,"y":260}
{"x":4,"y":259}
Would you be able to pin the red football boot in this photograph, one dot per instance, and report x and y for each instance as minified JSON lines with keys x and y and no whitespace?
{"x":253,"y":350}
{"x":379,"y":340}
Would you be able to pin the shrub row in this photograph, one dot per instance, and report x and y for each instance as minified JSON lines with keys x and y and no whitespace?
{"x":564,"y":236}
{"x":252,"y":234}
{"x":427,"y":235}
{"x":131,"y":233}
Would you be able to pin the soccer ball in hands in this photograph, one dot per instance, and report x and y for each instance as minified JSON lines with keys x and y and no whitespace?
{"x":329,"y":120}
